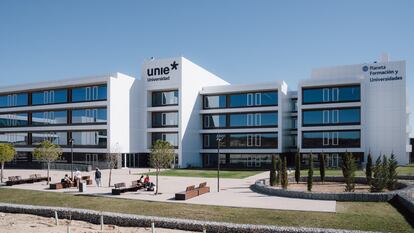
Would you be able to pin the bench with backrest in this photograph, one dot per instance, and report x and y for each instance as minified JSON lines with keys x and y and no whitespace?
{"x":87,"y":179}
{"x":121,"y":188}
{"x":189,"y":192}
{"x":13,"y":180}
{"x":62,"y":185}
{"x":203,"y":188}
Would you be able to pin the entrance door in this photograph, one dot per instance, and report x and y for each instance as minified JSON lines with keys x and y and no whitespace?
{"x":257,"y":162}
{"x":333,"y":160}
{"x":91,"y":159}
{"x":249,"y":161}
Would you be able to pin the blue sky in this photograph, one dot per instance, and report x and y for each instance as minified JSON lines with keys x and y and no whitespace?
{"x":241,"y":41}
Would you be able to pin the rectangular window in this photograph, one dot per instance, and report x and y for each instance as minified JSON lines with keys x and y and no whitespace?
{"x":344,"y":116}
{"x":164,"y":98}
{"x":331,"y":139}
{"x":214,"y":121}
{"x":90,"y":138}
{"x":50,"y":97}
{"x":14,"y":100}
{"x":58,"y":138}
{"x":164,"y":119}
{"x":14,"y":120}
{"x":331,"y":94}
{"x":172,"y":138}
{"x":214,"y":101}
{"x":92,"y":115}
{"x":20,"y":139}
{"x":92,"y":93}
{"x":264,"y":119}
{"x":49,"y":118}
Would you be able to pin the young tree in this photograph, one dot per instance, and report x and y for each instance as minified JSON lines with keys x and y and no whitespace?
{"x":310,"y":173}
{"x":378,"y":182}
{"x":279,"y":169}
{"x":322,"y":166}
{"x":112,"y":160}
{"x":368,"y":169}
{"x":297,"y":167}
{"x":392,"y":172}
{"x":162,"y":155}
{"x":7,"y":153}
{"x":284,"y":173}
{"x":273,"y":171}
{"x":48,"y":152}
{"x":348,"y":171}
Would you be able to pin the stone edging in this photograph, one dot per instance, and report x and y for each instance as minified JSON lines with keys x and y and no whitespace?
{"x":129,"y":220}
{"x":260,"y":187}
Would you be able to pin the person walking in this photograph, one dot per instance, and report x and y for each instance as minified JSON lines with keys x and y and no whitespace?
{"x":98,"y":176}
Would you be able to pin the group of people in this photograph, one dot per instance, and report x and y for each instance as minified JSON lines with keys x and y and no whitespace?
{"x":146,"y":183}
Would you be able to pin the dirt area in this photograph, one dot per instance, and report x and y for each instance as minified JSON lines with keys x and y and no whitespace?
{"x":327,"y":187}
{"x":10,"y":223}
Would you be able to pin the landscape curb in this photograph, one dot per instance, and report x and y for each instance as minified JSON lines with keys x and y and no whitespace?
{"x":129,"y":220}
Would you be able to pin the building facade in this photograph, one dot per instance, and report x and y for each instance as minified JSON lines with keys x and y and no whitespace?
{"x":359,"y":108}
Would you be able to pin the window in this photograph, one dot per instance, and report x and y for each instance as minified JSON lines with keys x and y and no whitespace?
{"x":264,"y":119}
{"x":14,"y":138}
{"x":92,"y":93}
{"x":214,"y":101}
{"x":172,"y":138}
{"x":14,"y":120}
{"x":59,"y":138}
{"x":90,"y":138}
{"x":331,"y":94}
{"x":214,"y":121}
{"x":346,"y":116}
{"x":294,"y":105}
{"x":50,"y":97}
{"x":341,"y":139}
{"x":164,"y":98}
{"x":14,"y":100}
{"x":84,"y":116}
{"x":164,"y":119}
{"x":253,"y":99}
{"x":49,"y":118}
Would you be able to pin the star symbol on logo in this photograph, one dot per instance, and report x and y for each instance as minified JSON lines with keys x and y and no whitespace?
{"x":174,"y":65}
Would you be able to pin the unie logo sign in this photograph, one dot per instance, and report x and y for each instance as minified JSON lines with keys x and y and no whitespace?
{"x":380,"y":73}
{"x":161,"y":71}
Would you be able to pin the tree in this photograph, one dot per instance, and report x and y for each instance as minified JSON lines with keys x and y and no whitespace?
{"x":284,"y":175}
{"x":348,"y":171}
{"x":297,"y":167}
{"x":279,"y":170}
{"x":310,"y":173}
{"x":273,"y":171}
{"x":162,"y":155}
{"x":322,"y":166}
{"x":368,"y":169}
{"x":48,"y":152}
{"x":112,"y":161}
{"x":7,"y":153}
{"x":379,"y":180}
{"x":392,"y":172}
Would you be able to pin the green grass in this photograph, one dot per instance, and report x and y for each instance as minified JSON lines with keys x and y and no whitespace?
{"x":350,"y":215}
{"x":406,"y":170}
{"x":207,"y":173}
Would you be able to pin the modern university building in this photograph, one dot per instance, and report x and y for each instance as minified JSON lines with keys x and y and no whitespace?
{"x":357,"y":108}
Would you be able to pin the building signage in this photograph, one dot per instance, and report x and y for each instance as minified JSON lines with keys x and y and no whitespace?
{"x":380,"y":73}
{"x":161,"y":73}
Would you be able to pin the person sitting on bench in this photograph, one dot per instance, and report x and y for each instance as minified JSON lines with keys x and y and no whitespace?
{"x":66,"y":179}
{"x":141,"y":180}
{"x":146,"y":181}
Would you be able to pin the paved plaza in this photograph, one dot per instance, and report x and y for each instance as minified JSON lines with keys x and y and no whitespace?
{"x":233,"y":192}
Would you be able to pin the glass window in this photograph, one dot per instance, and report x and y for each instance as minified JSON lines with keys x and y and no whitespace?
{"x":91,"y":93}
{"x":331,"y":94}
{"x":14,"y":138}
{"x":58,"y":138}
{"x":14,"y":119}
{"x":215,"y":101}
{"x":331,"y":117}
{"x":240,"y":100}
{"x":164,"y":98}
{"x":90,"y":138}
{"x":95,"y":115}
{"x":294,"y":105}
{"x":264,"y":119}
{"x":342,"y":139}
{"x":14,"y":100}
{"x":214,"y":121}
{"x":172,"y":138}
{"x":267,"y":98}
{"x":267,"y":119}
{"x":49,"y":118}
{"x":50,"y":97}
{"x":164,"y":119}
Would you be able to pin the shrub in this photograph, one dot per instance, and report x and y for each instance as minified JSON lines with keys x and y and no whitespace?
{"x":284,"y":174}
{"x":348,"y":171}
{"x":297,"y":167}
{"x":322,"y":166}
{"x":310,"y":173}
{"x":279,"y":170}
{"x":392,"y":173}
{"x":273,"y":171}
{"x":368,"y":169}
{"x":380,"y":177}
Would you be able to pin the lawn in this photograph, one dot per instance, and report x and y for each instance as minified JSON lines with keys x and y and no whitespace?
{"x":207,"y":173}
{"x":350,"y":215}
{"x":406,"y":170}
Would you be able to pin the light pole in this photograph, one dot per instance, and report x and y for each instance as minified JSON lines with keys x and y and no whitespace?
{"x":219,"y":138}
{"x":71,"y":141}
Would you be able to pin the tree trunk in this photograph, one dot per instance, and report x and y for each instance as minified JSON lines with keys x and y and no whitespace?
{"x":2,"y":168}
{"x":110,"y":176}
{"x":48,"y":170}
{"x":156,"y":191}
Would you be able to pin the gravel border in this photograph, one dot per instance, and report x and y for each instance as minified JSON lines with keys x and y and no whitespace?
{"x":261,"y":186}
{"x":128,"y":220}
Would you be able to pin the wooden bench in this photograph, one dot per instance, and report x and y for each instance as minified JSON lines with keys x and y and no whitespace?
{"x":121,"y":188}
{"x":13,"y":180}
{"x":203,"y":188}
{"x":87,"y":179}
{"x":189,"y":192}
